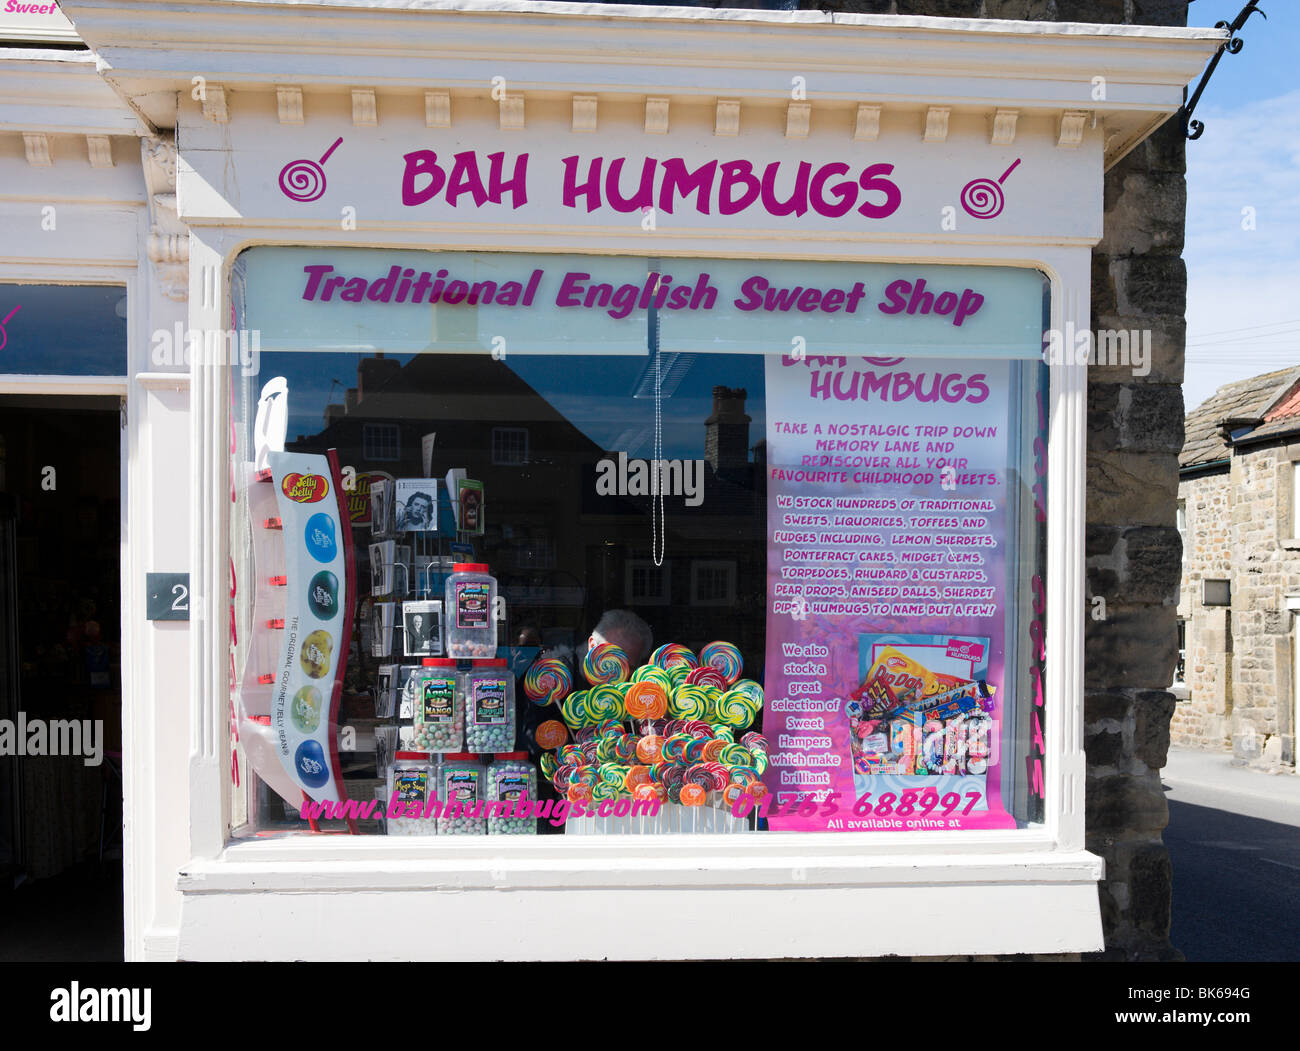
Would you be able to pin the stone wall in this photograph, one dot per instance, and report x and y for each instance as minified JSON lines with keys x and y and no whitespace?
{"x":1267,"y":569}
{"x":1201,"y":719}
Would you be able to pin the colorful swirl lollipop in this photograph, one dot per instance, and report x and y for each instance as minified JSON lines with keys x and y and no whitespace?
{"x":689,"y":702}
{"x":604,"y":702}
{"x":548,"y":763}
{"x":653,"y":673}
{"x":646,"y":700}
{"x":574,"y":709}
{"x":551,"y":734}
{"x":548,"y":681}
{"x":680,"y":674}
{"x":671,"y":654}
{"x":750,"y":687}
{"x":606,"y":663}
{"x":737,"y":709}
{"x":725,"y":657}
{"x":707,"y":676}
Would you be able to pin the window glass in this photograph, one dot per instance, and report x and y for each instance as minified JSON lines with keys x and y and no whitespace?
{"x":831,"y":587}
{"x":63,"y":330}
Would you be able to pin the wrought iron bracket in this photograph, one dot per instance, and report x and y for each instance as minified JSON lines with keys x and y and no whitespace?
{"x":1193,"y":129}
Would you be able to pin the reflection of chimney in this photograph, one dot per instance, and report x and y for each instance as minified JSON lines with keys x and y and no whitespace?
{"x":350,"y":399}
{"x":726,"y":432}
{"x":373,"y":373}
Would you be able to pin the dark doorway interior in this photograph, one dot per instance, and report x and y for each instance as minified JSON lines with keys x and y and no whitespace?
{"x":60,"y":663}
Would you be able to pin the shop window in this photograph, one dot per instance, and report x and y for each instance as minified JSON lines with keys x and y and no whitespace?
{"x":875,"y":622}
{"x":73,"y":330}
{"x":381,"y":442}
{"x":648,"y":584}
{"x":713,"y":583}
{"x":509,"y":446}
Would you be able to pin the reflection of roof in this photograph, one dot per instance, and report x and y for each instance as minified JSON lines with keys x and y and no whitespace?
{"x":1245,"y":410}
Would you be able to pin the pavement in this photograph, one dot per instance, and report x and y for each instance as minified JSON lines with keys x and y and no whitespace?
{"x":1234,"y":845}
{"x":1210,"y":779}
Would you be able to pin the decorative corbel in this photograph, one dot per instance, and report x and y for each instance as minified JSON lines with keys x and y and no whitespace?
{"x":169,"y":238}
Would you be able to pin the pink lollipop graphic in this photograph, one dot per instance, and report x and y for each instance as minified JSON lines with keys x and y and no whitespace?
{"x":305,"y":180}
{"x":982,"y":198}
{"x":4,"y":336}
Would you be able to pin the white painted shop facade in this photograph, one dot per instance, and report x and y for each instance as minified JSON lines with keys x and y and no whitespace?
{"x":205,"y":105}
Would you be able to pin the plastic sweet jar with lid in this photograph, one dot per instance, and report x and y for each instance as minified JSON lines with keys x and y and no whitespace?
{"x":411,"y":784}
{"x":461,"y":780}
{"x":470,"y":595}
{"x":438,"y":712}
{"x":510,"y":780}
{"x":488,"y":689}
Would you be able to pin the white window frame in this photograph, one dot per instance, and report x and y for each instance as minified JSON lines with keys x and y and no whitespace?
{"x":664,"y":598}
{"x":367,"y":445}
{"x":1053,"y":874}
{"x":511,"y":431}
{"x":728,"y":566}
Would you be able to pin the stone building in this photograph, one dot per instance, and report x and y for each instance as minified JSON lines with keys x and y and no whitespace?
{"x":1240,"y":588}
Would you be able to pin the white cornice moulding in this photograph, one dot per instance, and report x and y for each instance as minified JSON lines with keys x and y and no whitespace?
{"x":365,"y":108}
{"x":584,"y":113}
{"x":613,"y":50}
{"x":288,"y":104}
{"x":727,"y":117}
{"x":59,"y":92}
{"x":437,"y":109}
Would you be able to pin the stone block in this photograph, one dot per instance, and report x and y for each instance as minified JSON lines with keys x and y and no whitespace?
{"x":1151,"y":718}
{"x":1153,"y":563}
{"x":1103,"y":705}
{"x":1151,"y":418}
{"x":1022,"y":10}
{"x":1144,"y":212}
{"x":1125,"y":804}
{"x":1165,"y":362}
{"x":1132,"y":488}
{"x":1148,"y":285}
{"x":1135,"y":647}
{"x":1090,"y":10}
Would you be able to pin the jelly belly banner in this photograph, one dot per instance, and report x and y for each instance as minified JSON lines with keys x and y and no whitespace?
{"x":887,"y":592}
{"x":317,"y":622}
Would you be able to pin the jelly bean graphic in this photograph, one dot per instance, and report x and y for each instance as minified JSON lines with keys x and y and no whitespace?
{"x":323,"y":594}
{"x":309,"y":761}
{"x":320,"y":538}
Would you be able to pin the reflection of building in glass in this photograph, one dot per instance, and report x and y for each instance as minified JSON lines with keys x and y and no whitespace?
{"x":562,"y":551}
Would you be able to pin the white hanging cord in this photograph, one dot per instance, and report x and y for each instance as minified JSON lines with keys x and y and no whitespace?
{"x":658,"y":523}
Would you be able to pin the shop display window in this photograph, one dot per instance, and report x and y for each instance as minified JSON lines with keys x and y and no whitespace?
{"x":659,"y":545}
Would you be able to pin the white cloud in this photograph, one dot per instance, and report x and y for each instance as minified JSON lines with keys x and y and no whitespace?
{"x":1243,"y":284}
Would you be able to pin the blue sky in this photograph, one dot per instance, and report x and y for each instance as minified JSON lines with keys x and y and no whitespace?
{"x":1243,"y":296}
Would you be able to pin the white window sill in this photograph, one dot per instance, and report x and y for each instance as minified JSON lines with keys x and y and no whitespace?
{"x":711,"y":897}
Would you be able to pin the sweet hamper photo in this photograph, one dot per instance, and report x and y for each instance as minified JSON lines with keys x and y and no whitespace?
{"x":521,"y":481}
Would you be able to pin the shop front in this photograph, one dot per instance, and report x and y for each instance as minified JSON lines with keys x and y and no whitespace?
{"x":670,"y":418}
